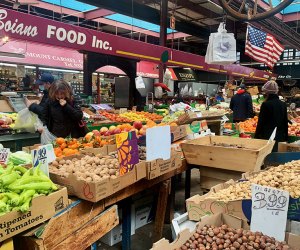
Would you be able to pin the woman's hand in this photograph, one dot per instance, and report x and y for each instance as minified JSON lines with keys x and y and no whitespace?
{"x":62,"y":102}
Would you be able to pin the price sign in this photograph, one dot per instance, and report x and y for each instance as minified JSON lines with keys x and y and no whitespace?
{"x":4,"y":154}
{"x":269,"y":211}
{"x":123,"y":110}
{"x":42,"y":156}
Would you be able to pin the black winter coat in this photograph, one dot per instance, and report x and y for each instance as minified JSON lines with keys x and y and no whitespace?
{"x":242,"y":107}
{"x":63,"y":121}
{"x":273,"y":113}
{"x":39,"y":108}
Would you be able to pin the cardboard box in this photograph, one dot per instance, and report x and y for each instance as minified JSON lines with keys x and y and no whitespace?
{"x":198,"y":206}
{"x":180,"y":223}
{"x":159,"y":167}
{"x":178,"y":132}
{"x":203,"y":152}
{"x":143,"y":211}
{"x":96,"y":191}
{"x":42,"y":209}
{"x":217,"y":220}
{"x":28,"y":149}
{"x":115,"y":235}
{"x":288,"y":147}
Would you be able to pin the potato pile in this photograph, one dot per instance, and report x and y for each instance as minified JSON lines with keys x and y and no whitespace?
{"x":88,"y":168}
{"x":285,"y":177}
{"x":224,"y":237}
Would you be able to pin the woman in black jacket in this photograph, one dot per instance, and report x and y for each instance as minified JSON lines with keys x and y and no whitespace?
{"x":62,"y":115}
{"x":273,"y":114}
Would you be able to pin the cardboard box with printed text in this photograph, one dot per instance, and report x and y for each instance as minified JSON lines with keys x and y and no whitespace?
{"x":42,"y":209}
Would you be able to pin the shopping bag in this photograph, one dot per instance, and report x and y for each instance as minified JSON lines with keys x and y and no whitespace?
{"x":26,"y":121}
{"x":221,"y":48}
{"x":47,"y":137}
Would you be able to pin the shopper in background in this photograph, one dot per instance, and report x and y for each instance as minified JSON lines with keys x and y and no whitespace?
{"x":241,"y":105}
{"x":273,"y":113}
{"x":62,"y":114}
{"x":220,"y":97}
{"x":44,"y":84}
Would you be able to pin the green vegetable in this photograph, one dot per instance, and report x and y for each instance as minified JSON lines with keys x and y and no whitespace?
{"x":21,"y":169}
{"x":26,"y":195}
{"x":9,"y":178}
{"x":18,"y":186}
{"x":36,"y":186}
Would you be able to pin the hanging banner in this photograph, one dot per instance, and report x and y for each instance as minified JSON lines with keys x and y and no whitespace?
{"x":28,"y":27}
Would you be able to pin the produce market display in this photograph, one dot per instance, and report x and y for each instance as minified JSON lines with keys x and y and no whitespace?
{"x":285,"y":177}
{"x":19,"y":186}
{"x":225,"y":237}
{"x":88,"y":168}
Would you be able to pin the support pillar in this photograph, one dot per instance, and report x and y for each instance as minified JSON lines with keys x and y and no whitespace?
{"x":163,"y":33}
{"x":87,"y":76}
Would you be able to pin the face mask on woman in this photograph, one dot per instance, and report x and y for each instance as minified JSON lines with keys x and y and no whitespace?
{"x":41,"y":87}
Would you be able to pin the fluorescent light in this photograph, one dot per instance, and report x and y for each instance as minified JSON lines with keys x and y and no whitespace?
{"x":29,"y":67}
{"x":8,"y":64}
{"x":61,"y":70}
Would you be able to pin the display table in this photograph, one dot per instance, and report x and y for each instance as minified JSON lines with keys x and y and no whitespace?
{"x":163,"y":183}
{"x":16,"y":141}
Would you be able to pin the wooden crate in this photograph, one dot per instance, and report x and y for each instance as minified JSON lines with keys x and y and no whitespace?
{"x":76,"y":238}
{"x":250,"y":157}
{"x":210,"y":177}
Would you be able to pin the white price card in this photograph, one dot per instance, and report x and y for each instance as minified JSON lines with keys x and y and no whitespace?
{"x":158,"y":143}
{"x":123,"y":110}
{"x":269,"y":211}
{"x":4,"y":154}
{"x":39,"y":158}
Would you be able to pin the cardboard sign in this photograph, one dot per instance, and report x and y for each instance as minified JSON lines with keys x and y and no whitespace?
{"x":4,"y":154}
{"x":269,"y":211}
{"x":158,"y":143}
{"x":128,"y":152}
{"x":134,"y":108}
{"x":40,"y":157}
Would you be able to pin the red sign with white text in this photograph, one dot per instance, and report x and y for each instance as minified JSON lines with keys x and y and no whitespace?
{"x":32,"y":28}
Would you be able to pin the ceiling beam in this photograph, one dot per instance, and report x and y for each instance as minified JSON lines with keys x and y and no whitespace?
{"x":93,"y":14}
{"x":148,"y":14}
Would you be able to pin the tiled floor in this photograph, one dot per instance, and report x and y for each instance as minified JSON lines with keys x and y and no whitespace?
{"x":143,"y":237}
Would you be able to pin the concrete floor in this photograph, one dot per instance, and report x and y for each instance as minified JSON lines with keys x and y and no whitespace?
{"x":143,"y":237}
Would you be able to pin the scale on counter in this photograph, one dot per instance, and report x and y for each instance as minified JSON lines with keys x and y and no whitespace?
{"x":17,"y":103}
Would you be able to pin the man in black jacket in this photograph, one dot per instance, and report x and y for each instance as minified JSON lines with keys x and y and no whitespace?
{"x":44,"y":84}
{"x":241,"y":105}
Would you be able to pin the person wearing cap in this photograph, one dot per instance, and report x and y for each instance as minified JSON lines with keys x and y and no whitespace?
{"x":44,"y":84}
{"x":273,"y":114}
{"x":241,"y":105}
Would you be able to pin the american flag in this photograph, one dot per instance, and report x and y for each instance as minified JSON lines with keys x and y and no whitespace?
{"x":262,"y":47}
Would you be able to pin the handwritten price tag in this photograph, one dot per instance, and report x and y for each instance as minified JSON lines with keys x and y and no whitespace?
{"x":269,"y":211}
{"x":40,"y":157}
{"x":4,"y":154}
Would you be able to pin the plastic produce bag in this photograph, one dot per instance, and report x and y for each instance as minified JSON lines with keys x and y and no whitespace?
{"x":47,"y":137}
{"x":221,"y":48}
{"x":26,"y":121}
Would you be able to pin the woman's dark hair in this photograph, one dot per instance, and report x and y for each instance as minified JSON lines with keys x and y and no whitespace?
{"x":63,"y":86}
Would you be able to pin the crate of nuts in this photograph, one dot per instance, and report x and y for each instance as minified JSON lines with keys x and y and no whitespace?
{"x":223,"y":231}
